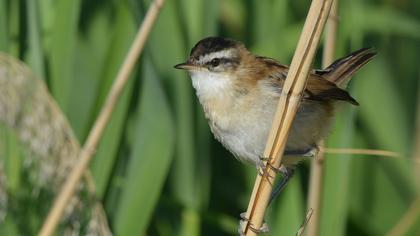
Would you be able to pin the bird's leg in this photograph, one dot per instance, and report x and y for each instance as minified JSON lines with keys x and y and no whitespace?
{"x":262,"y":167}
{"x":287,"y":175}
{"x":309,"y":153}
{"x":288,"y":172}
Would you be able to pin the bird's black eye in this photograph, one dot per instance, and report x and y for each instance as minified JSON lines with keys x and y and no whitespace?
{"x":215,"y":62}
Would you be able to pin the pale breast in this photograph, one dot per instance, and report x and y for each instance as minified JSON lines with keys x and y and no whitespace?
{"x":242,"y":125}
{"x":241,"y":120}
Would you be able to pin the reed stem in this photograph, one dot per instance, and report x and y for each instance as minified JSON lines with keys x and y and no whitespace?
{"x":317,"y":166}
{"x":286,"y":110}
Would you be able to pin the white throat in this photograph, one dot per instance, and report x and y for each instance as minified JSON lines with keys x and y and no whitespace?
{"x":210,"y":85}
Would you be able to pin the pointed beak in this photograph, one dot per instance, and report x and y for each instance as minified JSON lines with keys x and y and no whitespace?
{"x":186,"y":66}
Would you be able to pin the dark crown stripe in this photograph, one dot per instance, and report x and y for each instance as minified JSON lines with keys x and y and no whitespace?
{"x":212,"y":44}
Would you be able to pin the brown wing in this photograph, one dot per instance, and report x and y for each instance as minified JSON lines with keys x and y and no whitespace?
{"x":317,"y":87}
{"x":320,"y":89}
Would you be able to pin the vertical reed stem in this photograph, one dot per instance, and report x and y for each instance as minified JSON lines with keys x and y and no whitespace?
{"x":286,"y":110}
{"x":317,"y":166}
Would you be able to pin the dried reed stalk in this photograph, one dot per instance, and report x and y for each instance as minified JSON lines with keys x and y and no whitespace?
{"x":315,"y":192}
{"x":97,"y":130}
{"x":356,"y":151}
{"x":286,"y":110}
{"x":317,"y":165}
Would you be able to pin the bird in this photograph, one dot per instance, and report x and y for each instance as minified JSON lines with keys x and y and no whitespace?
{"x":239,"y":93}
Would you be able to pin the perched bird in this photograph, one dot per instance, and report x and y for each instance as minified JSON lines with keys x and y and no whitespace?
{"x":239,"y":92}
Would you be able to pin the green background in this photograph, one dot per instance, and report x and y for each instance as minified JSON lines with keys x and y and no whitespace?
{"x":158,"y":170}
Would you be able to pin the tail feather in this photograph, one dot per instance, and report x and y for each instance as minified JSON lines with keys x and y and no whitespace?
{"x":341,"y":70}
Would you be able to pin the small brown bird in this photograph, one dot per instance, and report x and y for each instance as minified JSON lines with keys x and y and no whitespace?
{"x":240,"y":91}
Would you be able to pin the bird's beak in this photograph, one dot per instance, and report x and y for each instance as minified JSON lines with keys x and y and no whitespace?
{"x":186,"y":66}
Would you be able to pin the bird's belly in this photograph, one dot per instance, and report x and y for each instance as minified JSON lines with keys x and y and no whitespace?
{"x":246,"y":134}
{"x":311,"y":124}
{"x":246,"y":140}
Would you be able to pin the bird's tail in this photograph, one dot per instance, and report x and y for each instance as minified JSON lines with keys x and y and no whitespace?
{"x":341,"y":70}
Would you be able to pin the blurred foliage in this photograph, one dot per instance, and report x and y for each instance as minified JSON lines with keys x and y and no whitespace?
{"x":157,"y":170}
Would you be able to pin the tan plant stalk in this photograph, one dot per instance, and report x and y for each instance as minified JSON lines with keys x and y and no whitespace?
{"x":97,"y":130}
{"x":315,"y":191}
{"x":317,"y":165}
{"x":356,"y":151}
{"x":286,"y":110}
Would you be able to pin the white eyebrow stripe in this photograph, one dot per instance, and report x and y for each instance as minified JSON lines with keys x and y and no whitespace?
{"x":220,"y":54}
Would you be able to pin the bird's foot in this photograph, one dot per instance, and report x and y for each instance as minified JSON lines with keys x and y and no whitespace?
{"x":265,"y":163}
{"x":263,"y":229}
{"x":310,"y":152}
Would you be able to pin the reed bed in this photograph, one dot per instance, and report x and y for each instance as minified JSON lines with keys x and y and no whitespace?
{"x":157,"y":169}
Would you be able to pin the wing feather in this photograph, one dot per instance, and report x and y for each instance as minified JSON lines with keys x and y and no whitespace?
{"x":317,"y":88}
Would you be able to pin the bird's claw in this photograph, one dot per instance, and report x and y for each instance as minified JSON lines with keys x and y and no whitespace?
{"x":313,"y":152}
{"x":263,"y":229}
{"x":310,"y":152}
{"x":264,"y":164}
